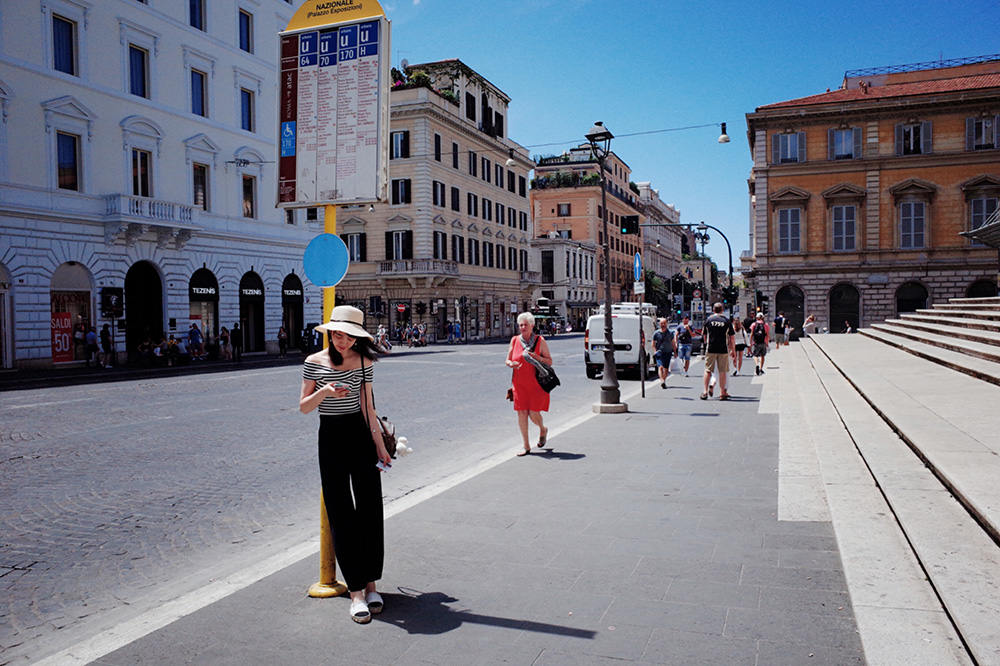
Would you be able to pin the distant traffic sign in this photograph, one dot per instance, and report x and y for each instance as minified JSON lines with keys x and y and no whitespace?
{"x":637,"y":266}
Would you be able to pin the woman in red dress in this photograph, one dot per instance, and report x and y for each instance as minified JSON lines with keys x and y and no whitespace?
{"x":529,"y":398}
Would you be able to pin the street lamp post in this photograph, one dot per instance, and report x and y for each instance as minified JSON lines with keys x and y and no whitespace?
{"x":729,"y":248}
{"x":599,"y":139}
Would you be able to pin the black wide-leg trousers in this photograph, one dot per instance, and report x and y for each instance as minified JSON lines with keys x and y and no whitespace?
{"x":352,"y":491}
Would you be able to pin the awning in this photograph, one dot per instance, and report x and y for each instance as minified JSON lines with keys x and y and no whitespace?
{"x":989,"y":233}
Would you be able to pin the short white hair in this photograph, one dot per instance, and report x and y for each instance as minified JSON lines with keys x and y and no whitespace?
{"x":526,"y":317}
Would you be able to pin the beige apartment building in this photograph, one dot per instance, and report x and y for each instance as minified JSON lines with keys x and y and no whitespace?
{"x":566,"y":199}
{"x":452,"y":242}
{"x":568,"y":276}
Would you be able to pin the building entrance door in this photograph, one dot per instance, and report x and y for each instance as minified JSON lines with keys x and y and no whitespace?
{"x":143,"y":305}
{"x":845,"y":308}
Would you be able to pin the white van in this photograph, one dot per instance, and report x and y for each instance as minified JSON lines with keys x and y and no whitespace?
{"x":629,"y":350}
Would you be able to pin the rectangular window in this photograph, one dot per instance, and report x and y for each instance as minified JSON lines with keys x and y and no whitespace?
{"x":247,"y":115}
{"x":437,"y":147}
{"x":470,"y":106}
{"x":138,"y":71}
{"x":843,"y":227}
{"x":512,"y":218}
{"x":458,"y":249}
{"x":196,"y":14}
{"x":401,"y":191}
{"x":548,"y":267}
{"x":789,"y":233}
{"x":486,"y":170}
{"x":788,"y":148}
{"x":473,"y":252}
{"x":511,"y":183}
{"x":981,"y":133}
{"x":246,"y":31}
{"x":911,"y":224}
{"x":312,"y":214}
{"x":488,"y":254}
{"x":456,"y":196}
{"x":440,"y":245}
{"x":512,"y":258}
{"x":68,"y":157}
{"x":200,"y":177}
{"x":523,"y":217}
{"x":913,"y":138}
{"x":563,"y":210}
{"x":355,"y":247}
{"x":473,"y":164}
{"x":501,"y":257}
{"x":399,"y":245}
{"x":199,"y":104}
{"x":844,"y":144}
{"x":141,"y":174}
{"x":981,"y":210}
{"x":400,"y":146}
{"x":524,"y":260}
{"x":498,"y":125}
{"x":249,"y":196}
{"x":64,"y":45}
{"x":522,"y":186}
{"x":500,"y":213}
{"x":473,"y":205}
{"x":454,"y":155}
{"x":438,"y":193}
{"x":499,"y":169}
{"x":487,"y":210}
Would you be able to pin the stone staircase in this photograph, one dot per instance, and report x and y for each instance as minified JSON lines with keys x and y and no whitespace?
{"x":962,"y":334}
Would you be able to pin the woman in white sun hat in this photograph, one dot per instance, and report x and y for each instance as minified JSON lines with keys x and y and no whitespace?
{"x":338,"y":381}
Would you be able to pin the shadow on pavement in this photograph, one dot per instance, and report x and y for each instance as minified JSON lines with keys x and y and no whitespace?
{"x":428,"y":613}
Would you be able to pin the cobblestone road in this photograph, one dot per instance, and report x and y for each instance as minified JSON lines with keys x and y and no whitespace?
{"x":117,"y":497}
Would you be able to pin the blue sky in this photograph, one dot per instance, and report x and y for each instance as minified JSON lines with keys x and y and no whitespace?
{"x":644,"y":66}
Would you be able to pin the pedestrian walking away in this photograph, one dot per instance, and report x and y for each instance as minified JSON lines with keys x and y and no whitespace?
{"x":663,"y":346}
{"x":338,"y":382}
{"x":740,"y":346}
{"x":225,"y":345}
{"x":780,"y":334}
{"x":236,"y":336}
{"x":107,"y":349}
{"x":525,"y":353}
{"x":719,"y":347}
{"x":683,"y":339}
{"x":759,"y":336}
{"x":93,"y":351}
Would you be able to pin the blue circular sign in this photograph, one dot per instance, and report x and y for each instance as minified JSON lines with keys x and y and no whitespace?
{"x":326,"y":260}
{"x":637,"y":266}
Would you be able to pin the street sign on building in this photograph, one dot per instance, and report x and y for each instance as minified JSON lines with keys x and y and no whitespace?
{"x":333,"y":105}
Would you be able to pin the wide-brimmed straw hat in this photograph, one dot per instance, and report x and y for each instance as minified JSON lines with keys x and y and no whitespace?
{"x":347,"y":319}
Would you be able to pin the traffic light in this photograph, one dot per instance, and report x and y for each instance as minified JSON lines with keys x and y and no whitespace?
{"x":763,"y":303}
{"x":630,"y":224}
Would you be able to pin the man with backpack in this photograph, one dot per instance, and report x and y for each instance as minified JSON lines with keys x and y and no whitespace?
{"x":759,"y":339}
{"x":683,"y":338}
{"x":780,"y":334}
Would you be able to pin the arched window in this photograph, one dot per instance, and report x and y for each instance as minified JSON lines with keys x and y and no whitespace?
{"x":982,"y":289}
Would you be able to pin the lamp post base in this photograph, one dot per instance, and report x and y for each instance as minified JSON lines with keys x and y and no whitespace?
{"x":610,"y":408}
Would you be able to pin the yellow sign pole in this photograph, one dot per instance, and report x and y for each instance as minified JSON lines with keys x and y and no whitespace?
{"x":328,"y":585}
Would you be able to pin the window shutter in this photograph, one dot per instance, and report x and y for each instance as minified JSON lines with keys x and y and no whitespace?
{"x":970,"y":133}
{"x":407,"y":244}
{"x":802,"y":146}
{"x":406,"y":144}
{"x":925,"y":138}
{"x":444,"y":245}
{"x":899,"y":138}
{"x":775,"y":149}
{"x":858,"y":145}
{"x":831,"y":153}
{"x":363,"y":244}
{"x":388,"y":246}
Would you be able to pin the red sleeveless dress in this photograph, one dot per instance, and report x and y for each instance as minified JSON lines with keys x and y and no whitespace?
{"x":528,"y":395}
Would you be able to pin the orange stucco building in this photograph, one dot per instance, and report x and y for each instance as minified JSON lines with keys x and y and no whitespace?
{"x":859,"y":195}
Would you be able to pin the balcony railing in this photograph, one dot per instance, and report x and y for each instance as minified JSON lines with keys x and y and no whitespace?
{"x":417,"y":267}
{"x":531,"y":276}
{"x":151,"y":210}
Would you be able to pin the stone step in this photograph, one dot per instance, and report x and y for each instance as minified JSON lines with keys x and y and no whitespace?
{"x":962,"y":313}
{"x":899,"y":616}
{"x":952,"y":319}
{"x":982,"y":337}
{"x":971,"y":358}
{"x":985,"y":307}
{"x":988,"y":300}
{"x":945,"y":497}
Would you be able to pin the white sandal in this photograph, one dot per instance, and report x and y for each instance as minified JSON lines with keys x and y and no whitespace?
{"x":360,"y":612}
{"x":375,"y":603}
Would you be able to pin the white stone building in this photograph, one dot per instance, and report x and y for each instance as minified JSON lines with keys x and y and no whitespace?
{"x":137,"y":149}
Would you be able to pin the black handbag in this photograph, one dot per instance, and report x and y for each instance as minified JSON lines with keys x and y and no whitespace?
{"x":386,"y":428}
{"x":545,"y":375}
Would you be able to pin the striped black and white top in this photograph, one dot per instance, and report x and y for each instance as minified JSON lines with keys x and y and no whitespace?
{"x":323,"y":375}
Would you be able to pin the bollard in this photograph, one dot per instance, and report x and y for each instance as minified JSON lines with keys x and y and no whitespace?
{"x":328,"y":585}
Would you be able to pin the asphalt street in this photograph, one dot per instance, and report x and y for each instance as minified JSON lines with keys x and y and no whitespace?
{"x":116,"y":498}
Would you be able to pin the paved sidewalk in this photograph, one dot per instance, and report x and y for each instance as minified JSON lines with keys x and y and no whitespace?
{"x":649,"y":537}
